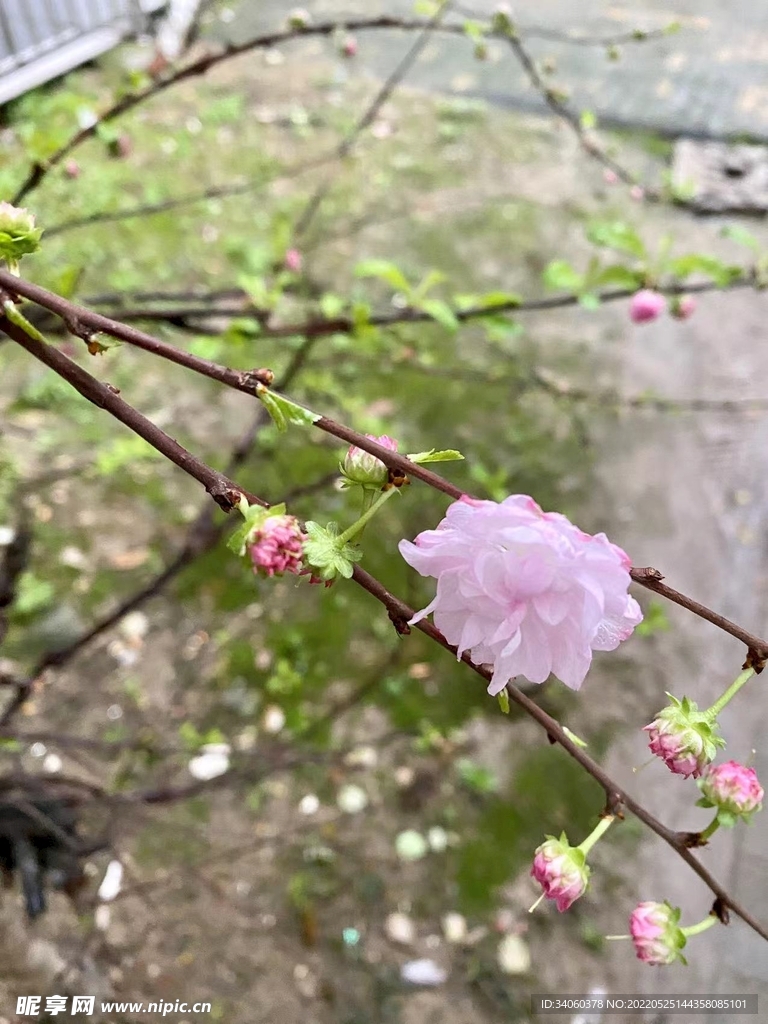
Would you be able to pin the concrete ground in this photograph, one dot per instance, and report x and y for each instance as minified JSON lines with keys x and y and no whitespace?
{"x":707,"y":78}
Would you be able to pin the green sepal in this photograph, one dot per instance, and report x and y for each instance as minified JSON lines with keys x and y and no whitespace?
{"x":14,"y":246}
{"x":503,"y":697}
{"x":324,"y":552}
{"x":254,"y":516}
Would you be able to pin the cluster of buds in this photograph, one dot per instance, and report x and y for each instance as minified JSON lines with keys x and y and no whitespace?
{"x":647,"y":305}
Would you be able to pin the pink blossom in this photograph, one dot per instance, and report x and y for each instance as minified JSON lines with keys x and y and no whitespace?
{"x":684,"y":738}
{"x":646,"y":305}
{"x":524,"y":590}
{"x":683,"y":307}
{"x":637,"y":192}
{"x":732,"y":788}
{"x":276,"y":545}
{"x":293,"y":260}
{"x":72,"y":169}
{"x":610,"y":177}
{"x":656,"y":934}
{"x":349,"y":46}
{"x":561,"y":871}
{"x":360,"y":467}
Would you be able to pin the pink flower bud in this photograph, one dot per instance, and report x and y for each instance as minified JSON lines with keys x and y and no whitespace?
{"x":637,"y":192}
{"x":293,"y":260}
{"x":646,"y":305}
{"x":684,"y":738}
{"x":561,"y":871}
{"x":656,"y":934}
{"x":610,"y":177}
{"x":276,"y":545}
{"x":349,"y":46}
{"x":683,"y":307}
{"x":360,"y":467}
{"x":72,"y":169}
{"x":732,"y":788}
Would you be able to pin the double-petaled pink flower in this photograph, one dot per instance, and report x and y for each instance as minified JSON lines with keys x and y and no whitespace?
{"x":561,"y":870}
{"x":733,"y":789}
{"x":276,"y":545}
{"x":524,"y":590}
{"x":646,"y":305}
{"x":656,"y":933}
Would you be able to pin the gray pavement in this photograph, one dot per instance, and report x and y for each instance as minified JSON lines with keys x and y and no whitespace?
{"x":710,"y":78}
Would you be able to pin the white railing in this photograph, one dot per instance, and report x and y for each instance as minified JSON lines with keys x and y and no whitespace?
{"x":42,"y":39}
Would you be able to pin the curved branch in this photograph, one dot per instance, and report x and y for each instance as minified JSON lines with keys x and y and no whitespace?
{"x":400,"y":613}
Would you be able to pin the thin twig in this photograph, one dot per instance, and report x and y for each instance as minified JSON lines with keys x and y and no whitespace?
{"x":561,"y":110}
{"x":369,"y":115}
{"x":401,"y":613}
{"x":224,"y":491}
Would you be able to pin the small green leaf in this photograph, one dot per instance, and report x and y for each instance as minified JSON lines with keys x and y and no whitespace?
{"x":17,"y":317}
{"x":332,"y":306}
{"x":385,"y":271}
{"x":33,"y":595}
{"x":503,"y":701}
{"x":696,"y":263}
{"x":561,"y":276}
{"x":449,"y":455}
{"x":283,"y":411}
{"x":617,"y":276}
{"x":587,"y":120}
{"x":441,"y":312}
{"x":737,"y":233}
{"x":616,"y":235}
{"x":500,"y":299}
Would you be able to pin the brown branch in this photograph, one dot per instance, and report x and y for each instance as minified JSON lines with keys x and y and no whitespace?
{"x":225,"y":492}
{"x":562,"y":111}
{"x":400,"y":612}
{"x":369,"y":115}
{"x":38,"y":171}
{"x":651,"y":579}
{"x":204,"y":64}
{"x":202,"y":536}
{"x":80,"y":318}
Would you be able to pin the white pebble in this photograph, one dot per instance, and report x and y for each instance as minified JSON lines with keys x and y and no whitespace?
{"x":212,"y":761}
{"x":454,"y":927}
{"x":423,"y":972}
{"x":274,"y":719}
{"x":352,"y":799}
{"x":112,"y":881}
{"x":400,"y":928}
{"x":309,"y":804}
{"x":411,"y":845}
{"x":513,"y":955}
